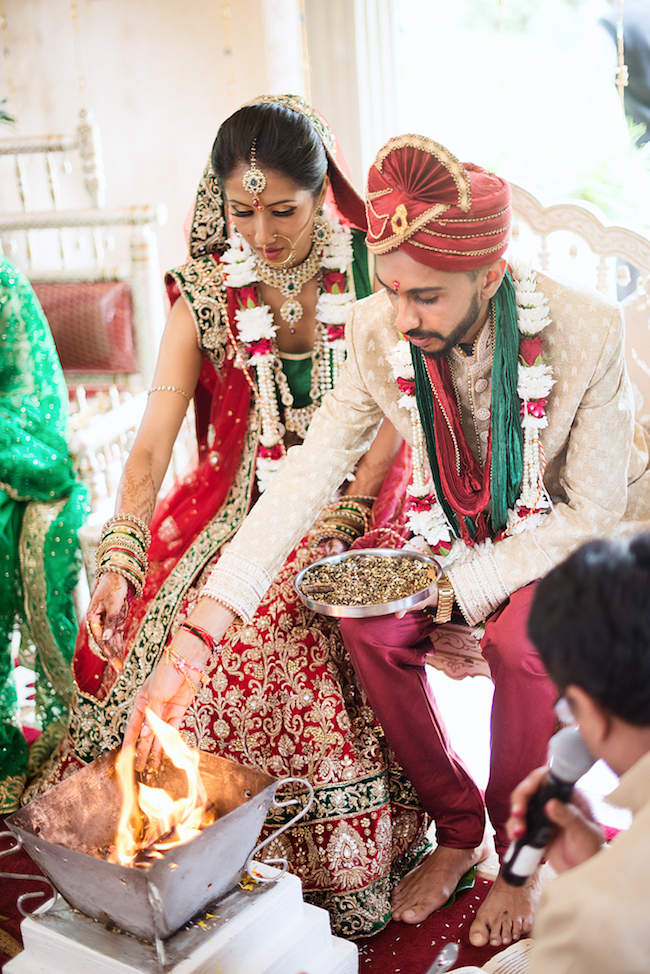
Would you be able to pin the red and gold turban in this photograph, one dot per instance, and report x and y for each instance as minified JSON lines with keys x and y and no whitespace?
{"x":449,"y":215}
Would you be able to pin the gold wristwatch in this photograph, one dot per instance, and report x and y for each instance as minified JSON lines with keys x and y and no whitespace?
{"x":445,"y":600}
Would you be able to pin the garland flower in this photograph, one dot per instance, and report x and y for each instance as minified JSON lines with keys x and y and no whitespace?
{"x":256,"y":331}
{"x":426,"y":519}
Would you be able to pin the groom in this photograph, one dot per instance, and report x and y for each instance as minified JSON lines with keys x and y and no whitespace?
{"x":512,"y":391}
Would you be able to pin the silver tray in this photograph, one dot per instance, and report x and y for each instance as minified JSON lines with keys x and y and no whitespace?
{"x":372,"y":608}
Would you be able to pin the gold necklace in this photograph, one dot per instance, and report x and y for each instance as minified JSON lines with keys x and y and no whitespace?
{"x":289,"y":281}
{"x":447,"y":421}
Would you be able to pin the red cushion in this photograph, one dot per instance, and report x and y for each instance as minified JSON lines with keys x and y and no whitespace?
{"x":91,"y":324}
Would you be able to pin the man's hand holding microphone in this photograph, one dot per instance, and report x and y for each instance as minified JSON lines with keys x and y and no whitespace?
{"x":548,"y":817}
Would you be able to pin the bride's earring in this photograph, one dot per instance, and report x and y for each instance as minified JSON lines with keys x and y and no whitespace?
{"x":321,"y":232}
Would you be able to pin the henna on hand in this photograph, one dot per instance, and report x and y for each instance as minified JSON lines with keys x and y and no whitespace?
{"x":330,"y":546}
{"x":138,"y":495}
{"x":109,"y":608}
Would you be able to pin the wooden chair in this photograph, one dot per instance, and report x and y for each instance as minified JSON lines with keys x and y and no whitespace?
{"x":574,"y":239}
{"x":65,"y":252}
{"x":96,"y":273}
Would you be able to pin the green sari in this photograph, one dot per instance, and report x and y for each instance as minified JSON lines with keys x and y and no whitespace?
{"x":41,"y":508}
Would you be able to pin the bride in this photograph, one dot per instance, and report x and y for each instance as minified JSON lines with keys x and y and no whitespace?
{"x":255,"y":337}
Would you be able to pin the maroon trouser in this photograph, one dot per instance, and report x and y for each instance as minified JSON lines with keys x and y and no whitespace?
{"x":388,"y":655}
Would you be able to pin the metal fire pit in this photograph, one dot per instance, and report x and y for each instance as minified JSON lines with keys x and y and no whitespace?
{"x":65,"y":831}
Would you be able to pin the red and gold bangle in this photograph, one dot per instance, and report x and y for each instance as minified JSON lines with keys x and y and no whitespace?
{"x":123,"y":518}
{"x":203,"y":635}
{"x":117,"y":551}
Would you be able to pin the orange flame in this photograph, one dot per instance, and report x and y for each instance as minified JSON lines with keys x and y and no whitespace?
{"x":149,"y":814}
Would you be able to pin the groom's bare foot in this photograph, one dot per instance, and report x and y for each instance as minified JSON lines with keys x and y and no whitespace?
{"x":506,"y":913}
{"x":428,"y":887}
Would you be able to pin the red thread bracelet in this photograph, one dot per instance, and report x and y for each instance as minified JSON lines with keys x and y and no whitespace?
{"x":201,"y":634}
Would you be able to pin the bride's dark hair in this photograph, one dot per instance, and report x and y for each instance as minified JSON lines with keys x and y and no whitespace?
{"x":285,"y":142}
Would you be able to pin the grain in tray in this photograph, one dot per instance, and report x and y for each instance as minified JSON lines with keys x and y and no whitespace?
{"x":366,"y":580}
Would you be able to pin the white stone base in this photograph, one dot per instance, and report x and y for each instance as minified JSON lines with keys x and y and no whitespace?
{"x":269,"y":930}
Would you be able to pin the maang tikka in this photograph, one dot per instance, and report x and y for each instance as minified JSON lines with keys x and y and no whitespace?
{"x":254,"y":181}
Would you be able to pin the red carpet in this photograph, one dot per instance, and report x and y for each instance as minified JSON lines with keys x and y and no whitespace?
{"x":412,"y":949}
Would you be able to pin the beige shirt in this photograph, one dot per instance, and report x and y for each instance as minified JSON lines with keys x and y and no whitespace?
{"x":595,"y":919}
{"x":597,"y":460}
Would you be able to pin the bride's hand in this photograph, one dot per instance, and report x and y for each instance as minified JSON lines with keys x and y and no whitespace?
{"x":166,"y":690}
{"x":107,"y":613}
{"x":168,"y":693}
{"x":330,"y":546}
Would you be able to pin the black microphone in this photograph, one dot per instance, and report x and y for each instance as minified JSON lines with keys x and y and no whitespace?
{"x":569,"y":759}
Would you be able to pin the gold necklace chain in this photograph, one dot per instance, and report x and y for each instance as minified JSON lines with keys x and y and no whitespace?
{"x":297,"y":419}
{"x":455,"y":385}
{"x":447,"y":421}
{"x":492,"y":319}
{"x":289,"y":281}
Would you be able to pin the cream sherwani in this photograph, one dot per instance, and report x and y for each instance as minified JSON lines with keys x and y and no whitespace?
{"x":597,"y":458}
{"x":594,"y":919}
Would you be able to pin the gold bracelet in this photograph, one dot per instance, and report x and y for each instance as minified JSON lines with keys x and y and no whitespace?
{"x":178,"y":660}
{"x":128,"y":535}
{"x":347,"y":510}
{"x":445,"y":600}
{"x":125,"y":541}
{"x":123,"y":518}
{"x":125,"y":560}
{"x":107,"y":551}
{"x":334,"y":534}
{"x":356,"y":524}
{"x":134,"y":580}
{"x":169,"y":389}
{"x":364,"y":499}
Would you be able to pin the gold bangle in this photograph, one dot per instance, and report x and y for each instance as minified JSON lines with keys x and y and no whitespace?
{"x":351,"y":533}
{"x":334,"y":535}
{"x":134,"y":550}
{"x":125,"y":560}
{"x":364,"y":499}
{"x":129,"y":518}
{"x":134,"y":581}
{"x":169,"y":389}
{"x":445,"y":600}
{"x":352,"y":522}
{"x":129,"y":539}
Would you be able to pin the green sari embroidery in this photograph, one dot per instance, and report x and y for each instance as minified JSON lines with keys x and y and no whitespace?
{"x":41,"y":508}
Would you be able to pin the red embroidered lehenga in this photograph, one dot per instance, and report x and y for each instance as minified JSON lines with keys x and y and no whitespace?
{"x":284,"y":697}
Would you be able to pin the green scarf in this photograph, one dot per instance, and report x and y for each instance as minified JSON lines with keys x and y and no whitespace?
{"x":507,"y":440}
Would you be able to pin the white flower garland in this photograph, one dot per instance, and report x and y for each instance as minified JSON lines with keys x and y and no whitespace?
{"x":257,"y":330}
{"x":426,"y":519}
